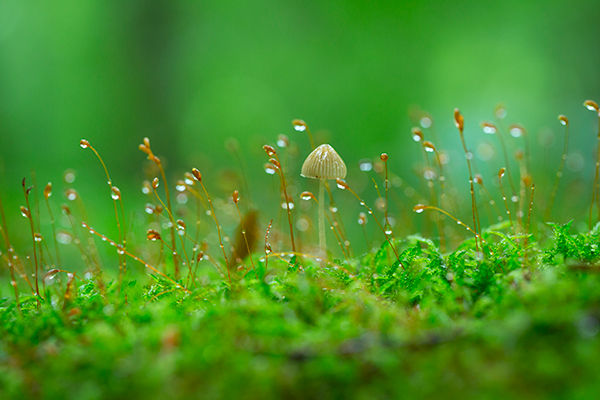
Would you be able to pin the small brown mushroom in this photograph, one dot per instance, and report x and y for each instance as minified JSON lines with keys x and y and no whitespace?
{"x":323,"y":163}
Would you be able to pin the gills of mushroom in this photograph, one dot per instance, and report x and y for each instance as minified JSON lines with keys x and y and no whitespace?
{"x":323,"y":163}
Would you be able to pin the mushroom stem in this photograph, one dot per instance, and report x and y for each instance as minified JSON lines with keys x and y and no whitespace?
{"x":322,"y":243}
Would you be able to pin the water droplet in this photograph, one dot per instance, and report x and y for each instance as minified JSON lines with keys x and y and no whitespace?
{"x":63,"y":238}
{"x":149,"y":208}
{"x":25,"y":212}
{"x":417,"y":134}
{"x":469,"y":155}
{"x":71,"y":194}
{"x":333,"y":209}
{"x":426,"y":122}
{"x":306,"y":196}
{"x":514,"y":199}
{"x":516,"y":131}
{"x":365,"y":165}
{"x":153,"y":235}
{"x":180,"y":186}
{"x":38,"y":237}
{"x":270,"y":169}
{"x":282,"y":141}
{"x":428,"y":149}
{"x":488,"y":128}
{"x":299,"y":125}
{"x":285,"y":205}
{"x":69,"y":176}
{"x":591,"y":105}
{"x":429,"y":174}
{"x":362,"y":218}
{"x":563,"y":120}
{"x":182,"y":198}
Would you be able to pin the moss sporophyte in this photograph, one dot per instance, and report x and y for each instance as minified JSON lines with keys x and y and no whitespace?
{"x":458,"y":288}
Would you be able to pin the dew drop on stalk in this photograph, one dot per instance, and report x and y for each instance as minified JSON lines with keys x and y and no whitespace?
{"x":146,"y":188}
{"x":417,"y":134}
{"x":25,"y":212}
{"x":153,"y":235}
{"x":289,"y":205}
{"x":48,"y":190}
{"x":365,"y":165}
{"x":69,"y":176}
{"x":516,"y":131}
{"x":362,"y":218}
{"x":306,"y":196}
{"x":115,"y":193}
{"x":49,"y":280}
{"x":388,"y":229}
{"x":180,"y":186}
{"x":488,"y":128}
{"x":563,"y":120}
{"x":500,"y":112}
{"x":270,"y":169}
{"x":429,"y":174}
{"x":71,"y":194}
{"x":514,"y":199}
{"x":429,"y":147}
{"x":38,"y":237}
{"x":299,"y":125}
{"x":592,"y":106}
{"x":188,"y":179}
{"x":419,"y":208}
{"x":64,"y":238}
{"x":282,"y":141}
{"x":182,"y":198}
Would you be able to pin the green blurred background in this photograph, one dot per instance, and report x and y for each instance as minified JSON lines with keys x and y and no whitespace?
{"x":190,"y":75}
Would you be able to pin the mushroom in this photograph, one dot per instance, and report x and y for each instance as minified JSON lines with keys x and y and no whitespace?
{"x":323,"y":163}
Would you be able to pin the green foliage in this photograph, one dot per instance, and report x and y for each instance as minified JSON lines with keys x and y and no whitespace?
{"x":504,"y":322}
{"x":579,"y":246}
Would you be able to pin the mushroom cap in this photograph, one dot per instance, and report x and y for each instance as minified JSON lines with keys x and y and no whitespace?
{"x":324,"y":163}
